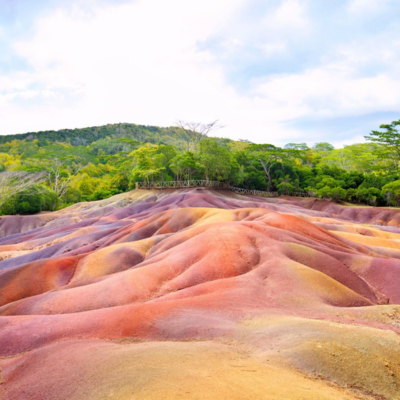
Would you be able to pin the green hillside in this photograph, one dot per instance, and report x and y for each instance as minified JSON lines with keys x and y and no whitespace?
{"x":86,"y":136}
{"x":69,"y":166}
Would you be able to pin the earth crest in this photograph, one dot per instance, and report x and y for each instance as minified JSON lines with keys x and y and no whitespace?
{"x":192,"y":294}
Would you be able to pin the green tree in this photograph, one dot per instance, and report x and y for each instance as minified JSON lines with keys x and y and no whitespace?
{"x":286,"y":186}
{"x":72,"y":196}
{"x":50,"y":198}
{"x":371,"y":196}
{"x":29,"y":201}
{"x":86,"y":185}
{"x":323,"y":146}
{"x":268,"y":156}
{"x":58,"y":177}
{"x":215,"y":159}
{"x":145,"y":162}
{"x":389,"y":139}
{"x":120,"y":182}
{"x":188,"y":135}
{"x":391,"y":192}
{"x":252,"y":174}
{"x":333,"y":193}
{"x":15,"y":182}
{"x":184,"y":165}
{"x":296,"y":146}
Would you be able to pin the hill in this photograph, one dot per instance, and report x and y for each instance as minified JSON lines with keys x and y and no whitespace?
{"x":85,"y":136}
{"x":96,"y":163}
{"x":198,"y":293}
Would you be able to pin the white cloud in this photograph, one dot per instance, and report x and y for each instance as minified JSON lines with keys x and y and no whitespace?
{"x":367,"y":7}
{"x":291,"y":14}
{"x":330,"y":92}
{"x":273,"y":48}
{"x":141,"y":63}
{"x":352,"y":138}
{"x":130,"y":64}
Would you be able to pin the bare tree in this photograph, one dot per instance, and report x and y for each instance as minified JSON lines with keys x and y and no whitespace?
{"x":190,"y":134}
{"x":14,"y":182}
{"x":56,"y":179}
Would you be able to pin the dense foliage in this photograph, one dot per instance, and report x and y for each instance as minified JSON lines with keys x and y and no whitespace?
{"x":96,"y":163}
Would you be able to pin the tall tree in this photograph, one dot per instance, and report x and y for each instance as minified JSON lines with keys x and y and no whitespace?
{"x":190,"y":134}
{"x":323,"y":146}
{"x":390,"y":139}
{"x":268,"y":156}
{"x":215,"y":159}
{"x":146,"y":162}
{"x":296,"y":146}
{"x":184,"y":165}
{"x":14,"y":182}
{"x":58,"y":178}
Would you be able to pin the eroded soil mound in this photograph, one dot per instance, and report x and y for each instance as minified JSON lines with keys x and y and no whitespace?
{"x":200,"y":294}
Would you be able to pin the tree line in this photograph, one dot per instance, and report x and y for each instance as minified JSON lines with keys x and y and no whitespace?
{"x":47,"y":173}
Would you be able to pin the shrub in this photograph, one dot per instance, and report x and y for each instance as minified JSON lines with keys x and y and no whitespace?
{"x":9,"y":207}
{"x":391,"y":192}
{"x":71,"y":196}
{"x":29,"y":202}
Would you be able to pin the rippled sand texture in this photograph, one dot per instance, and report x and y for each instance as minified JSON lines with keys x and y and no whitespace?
{"x":200,"y":295}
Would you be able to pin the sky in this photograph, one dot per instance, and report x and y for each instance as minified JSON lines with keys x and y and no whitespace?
{"x":271,"y":71}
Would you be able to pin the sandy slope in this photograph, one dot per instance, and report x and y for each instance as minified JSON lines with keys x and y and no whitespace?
{"x":200,"y":294}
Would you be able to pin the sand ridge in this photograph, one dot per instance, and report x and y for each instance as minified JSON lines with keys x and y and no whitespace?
{"x":305,"y":289}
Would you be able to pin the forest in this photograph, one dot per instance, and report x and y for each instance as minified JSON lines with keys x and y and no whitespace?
{"x":46,"y":171}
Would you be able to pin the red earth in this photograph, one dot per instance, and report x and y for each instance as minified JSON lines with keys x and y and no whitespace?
{"x":200,"y":294}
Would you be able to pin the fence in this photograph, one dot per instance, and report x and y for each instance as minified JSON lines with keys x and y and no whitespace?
{"x":214,"y":184}
{"x":304,"y":194}
{"x":201,"y":183}
{"x":253,"y":192}
{"x":179,"y":184}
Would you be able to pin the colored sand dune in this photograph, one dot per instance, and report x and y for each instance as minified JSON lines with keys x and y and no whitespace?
{"x":200,"y":294}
